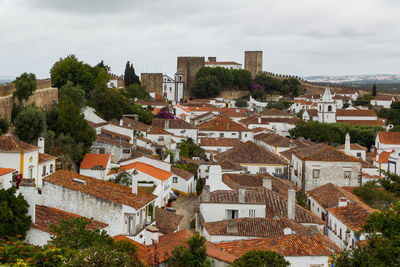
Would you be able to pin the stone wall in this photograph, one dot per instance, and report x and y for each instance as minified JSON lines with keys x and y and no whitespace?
{"x":233,"y":94}
{"x":189,"y":66}
{"x":152,"y":81}
{"x":253,"y":62}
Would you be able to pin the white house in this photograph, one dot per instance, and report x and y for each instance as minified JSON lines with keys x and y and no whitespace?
{"x":223,"y":127}
{"x":183,"y":181}
{"x":387,"y":141}
{"x":218,"y":144}
{"x":383,"y":101}
{"x":159,"y":136}
{"x":255,"y":159}
{"x":96,"y":165}
{"x":394,"y":162}
{"x":319,"y":164}
{"x":176,"y":127}
{"x":299,"y":104}
{"x":354,"y":149}
{"x":353,"y":94}
{"x":6,"y":177}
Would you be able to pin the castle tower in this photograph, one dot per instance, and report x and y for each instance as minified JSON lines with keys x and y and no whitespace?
{"x":189,"y":66}
{"x":327,"y":108}
{"x":152,"y":81}
{"x":253,"y":62}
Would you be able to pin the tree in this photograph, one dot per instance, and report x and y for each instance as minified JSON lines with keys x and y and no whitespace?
{"x":109,"y":102}
{"x":71,"y":69}
{"x":73,"y":93}
{"x":104,"y":66}
{"x":136,"y":91}
{"x":374,"y":195}
{"x":3,"y":126}
{"x":255,"y":258}
{"x":382,"y":230}
{"x":391,"y":183}
{"x":241,"y":79}
{"x":30,"y":124}
{"x":241,"y":103}
{"x":374,"y":89}
{"x":184,"y":151}
{"x":206,"y":87}
{"x":195,"y":255}
{"x":122,"y":178}
{"x":130,"y":76}
{"x":25,"y":85}
{"x":14,"y":220}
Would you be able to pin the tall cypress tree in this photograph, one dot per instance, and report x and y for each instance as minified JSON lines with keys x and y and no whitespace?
{"x":130,"y":76}
{"x":374,"y":89}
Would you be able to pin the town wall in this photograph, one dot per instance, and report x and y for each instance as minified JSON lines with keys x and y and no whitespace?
{"x":152,"y":81}
{"x":189,"y":66}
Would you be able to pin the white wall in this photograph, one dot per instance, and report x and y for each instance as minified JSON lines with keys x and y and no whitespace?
{"x":37,"y":237}
{"x":255,"y":168}
{"x":50,"y":166}
{"x":185,"y":186}
{"x":307,"y":261}
{"x":213,"y":212}
{"x":6,"y":181}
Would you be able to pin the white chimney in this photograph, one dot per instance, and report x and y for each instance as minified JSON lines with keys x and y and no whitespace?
{"x":267,"y":183}
{"x":134,"y":185}
{"x":291,"y":205}
{"x":342,"y":202}
{"x":288,"y":231}
{"x":347,"y":144}
{"x":151,"y":235}
{"x":41,"y":144}
{"x":242,"y":195}
{"x":166,"y":124}
{"x":121,"y":122}
{"x":27,"y":188}
{"x":258,"y":120}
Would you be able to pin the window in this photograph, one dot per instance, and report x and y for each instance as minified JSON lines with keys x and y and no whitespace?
{"x":334,"y":230}
{"x":51,"y":168}
{"x":126,"y":151}
{"x":30,"y":172}
{"x":44,"y":170}
{"x":221,"y":134}
{"x":359,"y":155}
{"x":263,"y":170}
{"x":233,"y":134}
{"x":219,"y":150}
{"x":315,"y":173}
{"x":340,"y":233}
{"x":102,"y":150}
{"x":347,"y":174}
{"x":174,"y":179}
{"x":252,"y":213}
{"x":278,"y":172}
{"x":329,"y":108}
{"x":232,"y":214}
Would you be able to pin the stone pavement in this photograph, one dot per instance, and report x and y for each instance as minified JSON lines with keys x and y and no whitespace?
{"x":186,"y":206}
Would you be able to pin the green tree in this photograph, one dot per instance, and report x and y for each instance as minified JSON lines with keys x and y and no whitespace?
{"x":130,"y":76}
{"x":374,"y":195}
{"x":136,"y":91}
{"x":206,"y":87}
{"x":3,"y":126}
{"x":14,"y":220}
{"x":241,"y":103}
{"x":122,"y":178}
{"x":109,"y":102}
{"x":195,"y":255}
{"x":391,"y":183}
{"x":374,"y":89}
{"x":256,"y":258}
{"x":29,"y":124}
{"x":241,"y":79}
{"x":184,"y":150}
{"x":73,"y":93}
{"x":104,"y":66}
{"x":71,"y":69}
{"x":25,"y":85}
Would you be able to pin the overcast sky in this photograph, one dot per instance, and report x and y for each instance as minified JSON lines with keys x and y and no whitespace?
{"x":299,"y":37}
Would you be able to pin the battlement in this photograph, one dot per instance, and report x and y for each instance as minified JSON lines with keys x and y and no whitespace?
{"x":9,"y":88}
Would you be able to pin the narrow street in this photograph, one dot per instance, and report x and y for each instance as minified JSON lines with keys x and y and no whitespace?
{"x":186,"y":206}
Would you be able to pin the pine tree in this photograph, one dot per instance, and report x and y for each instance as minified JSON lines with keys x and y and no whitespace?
{"x":374,"y":89}
{"x":130,"y":76}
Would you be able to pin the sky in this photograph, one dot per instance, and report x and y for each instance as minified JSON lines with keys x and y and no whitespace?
{"x":297,"y":37}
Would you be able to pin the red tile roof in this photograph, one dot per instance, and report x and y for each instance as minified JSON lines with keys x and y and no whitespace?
{"x":288,"y":246}
{"x":383,"y":157}
{"x":46,"y":216}
{"x":273,"y":112}
{"x":43,"y":157}
{"x":384,"y":98}
{"x":323,"y":152}
{"x":222,"y":124}
{"x":167,"y":222}
{"x":392,"y":138}
{"x":101,"y":189}
{"x":13,"y":144}
{"x":147,"y":169}
{"x":230,"y":142}
{"x":158,"y":131}
{"x":354,"y":146}
{"x":353,"y":215}
{"x":172,"y":124}
{"x":181,"y":173}
{"x":356,"y":112}
{"x":5,"y":170}
{"x":91,"y":161}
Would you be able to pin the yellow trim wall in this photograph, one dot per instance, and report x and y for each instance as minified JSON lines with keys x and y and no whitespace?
{"x":21,"y":164}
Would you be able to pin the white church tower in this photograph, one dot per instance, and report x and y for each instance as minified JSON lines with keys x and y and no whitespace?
{"x":327,"y":108}
{"x":179,"y":86}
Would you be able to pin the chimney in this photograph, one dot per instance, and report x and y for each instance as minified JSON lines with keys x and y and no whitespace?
{"x":166,"y":124}
{"x":347,"y":144}
{"x":242,"y":195}
{"x":342,"y":202}
{"x":267,"y":183}
{"x":121,"y":122}
{"x":258,"y":120}
{"x":134,"y":185}
{"x":288,"y":231}
{"x":232,"y":227}
{"x":41,"y":145}
{"x":151,"y":235}
{"x":291,"y":205}
{"x":206,"y":193}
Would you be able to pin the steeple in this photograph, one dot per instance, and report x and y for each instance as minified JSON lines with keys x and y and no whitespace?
{"x":327,"y":97}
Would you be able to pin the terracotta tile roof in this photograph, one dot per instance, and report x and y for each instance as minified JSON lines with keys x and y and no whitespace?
{"x":369,"y":176}
{"x":328,"y":196}
{"x":105,"y":140}
{"x":102,"y":189}
{"x":249,"y":152}
{"x":276,"y":140}
{"x":181,"y":173}
{"x":158,"y":130}
{"x":383,"y":157}
{"x":363,"y":122}
{"x":312,"y":112}
{"x":147,"y":169}
{"x":356,"y":112}
{"x":221,"y":123}
{"x":254,"y":120}
{"x":95,"y":161}
{"x":167,"y":222}
{"x":222,"y":63}
{"x":135,"y":124}
{"x":276,"y":205}
{"x":288,"y":246}
{"x":115,"y":134}
{"x":5,"y":170}
{"x":352,"y":215}
{"x":255,"y":182}
{"x":255,"y":227}
{"x":189,"y":160}
{"x":368,"y":165}
{"x":392,"y":138}
{"x":303,"y":102}
{"x":384,"y":98}
{"x":230,"y":142}
{"x":173,"y":124}
{"x":43,"y":157}
{"x":144,"y":150}
{"x":323,"y":152}
{"x":229,"y":165}
{"x":275,"y":112}
{"x":354,"y":146}
{"x":46,"y":216}
{"x":203,"y":116}
{"x":13,"y":144}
